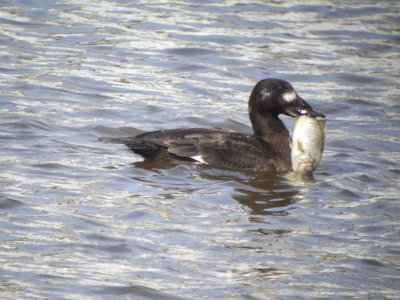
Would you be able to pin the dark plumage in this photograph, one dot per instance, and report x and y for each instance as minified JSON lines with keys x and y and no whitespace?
{"x":267,"y":149}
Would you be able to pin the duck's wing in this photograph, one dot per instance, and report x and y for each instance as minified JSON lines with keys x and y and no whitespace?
{"x":241,"y":152}
{"x":180,"y":142}
{"x":219,"y":148}
{"x":174,"y":145}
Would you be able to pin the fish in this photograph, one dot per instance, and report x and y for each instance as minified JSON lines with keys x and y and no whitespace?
{"x":308,"y":143}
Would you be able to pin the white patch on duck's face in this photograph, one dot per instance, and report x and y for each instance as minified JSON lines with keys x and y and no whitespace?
{"x":289,"y":96}
{"x":263,"y":94}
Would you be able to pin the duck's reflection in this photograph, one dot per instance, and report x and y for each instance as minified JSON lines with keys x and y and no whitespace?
{"x":264,"y":193}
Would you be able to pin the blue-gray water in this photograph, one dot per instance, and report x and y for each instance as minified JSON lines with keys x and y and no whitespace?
{"x":81,"y":219}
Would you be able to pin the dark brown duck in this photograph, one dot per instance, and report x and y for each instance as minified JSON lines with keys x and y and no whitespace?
{"x":268,"y":149}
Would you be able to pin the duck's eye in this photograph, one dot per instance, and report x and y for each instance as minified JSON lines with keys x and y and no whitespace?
{"x":289,"y":96}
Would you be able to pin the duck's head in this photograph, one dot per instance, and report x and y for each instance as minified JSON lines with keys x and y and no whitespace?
{"x":276,"y":96}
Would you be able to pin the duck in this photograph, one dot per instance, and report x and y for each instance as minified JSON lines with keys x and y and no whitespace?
{"x":267,"y":149}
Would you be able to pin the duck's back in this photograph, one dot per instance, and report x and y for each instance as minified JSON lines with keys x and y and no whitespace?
{"x":216,"y":147}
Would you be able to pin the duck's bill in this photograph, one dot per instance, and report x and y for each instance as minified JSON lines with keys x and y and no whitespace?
{"x":302,"y":108}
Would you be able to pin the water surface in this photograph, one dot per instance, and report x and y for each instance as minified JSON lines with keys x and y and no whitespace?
{"x":81,"y":219}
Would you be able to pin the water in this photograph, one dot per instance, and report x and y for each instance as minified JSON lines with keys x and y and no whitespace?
{"x":81,"y":219}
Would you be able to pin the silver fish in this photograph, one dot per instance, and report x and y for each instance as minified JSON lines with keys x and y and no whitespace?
{"x":307,"y":143}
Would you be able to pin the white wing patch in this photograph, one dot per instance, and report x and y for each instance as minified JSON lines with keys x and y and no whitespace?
{"x":199,"y":159}
{"x":289,"y":96}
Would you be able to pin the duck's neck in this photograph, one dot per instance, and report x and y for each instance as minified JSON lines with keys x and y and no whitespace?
{"x":266,"y":126}
{"x":272,"y":130}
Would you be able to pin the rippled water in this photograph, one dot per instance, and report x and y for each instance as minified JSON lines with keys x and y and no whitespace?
{"x":81,"y":219}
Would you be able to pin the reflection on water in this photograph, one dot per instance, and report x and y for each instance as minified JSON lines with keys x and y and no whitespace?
{"x":263,"y":193}
{"x":85,"y":219}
